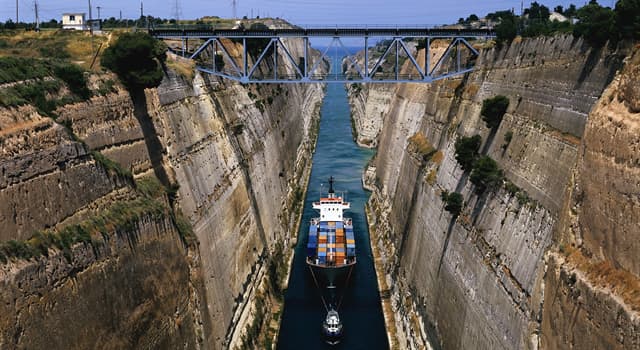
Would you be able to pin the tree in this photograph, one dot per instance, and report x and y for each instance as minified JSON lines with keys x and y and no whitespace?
{"x":538,"y":12}
{"x":507,"y":30}
{"x":137,"y":59}
{"x":453,"y":202}
{"x":472,"y":18}
{"x":572,"y":11}
{"x":559,"y":9}
{"x":596,"y":24}
{"x":486,"y":174}
{"x":255,"y":45}
{"x":467,"y":151}
{"x":493,"y":109}
{"x":627,"y":15}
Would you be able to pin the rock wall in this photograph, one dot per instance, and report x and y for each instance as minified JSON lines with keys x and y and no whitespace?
{"x":369,"y":104}
{"x":232,"y":159}
{"x":592,"y":284}
{"x":238,"y":170}
{"x":476,"y":281}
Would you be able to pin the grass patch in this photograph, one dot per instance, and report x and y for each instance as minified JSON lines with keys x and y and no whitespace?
{"x":106,"y":87}
{"x":111,"y":166}
{"x":149,"y":186}
{"x":52,"y":44}
{"x":184,"y":68}
{"x":122,"y":216}
{"x":419,"y":144}
{"x":431,"y":177}
{"x":604,"y":274}
{"x":21,"y":68}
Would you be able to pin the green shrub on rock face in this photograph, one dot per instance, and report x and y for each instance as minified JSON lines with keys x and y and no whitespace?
{"x":486,"y":174}
{"x":137,"y":59}
{"x":467,"y":151}
{"x":493,"y":109}
{"x":453,"y":202}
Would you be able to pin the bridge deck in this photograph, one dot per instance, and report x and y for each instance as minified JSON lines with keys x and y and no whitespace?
{"x":206,"y":32}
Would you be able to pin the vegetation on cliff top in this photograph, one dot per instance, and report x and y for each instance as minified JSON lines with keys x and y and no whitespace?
{"x":137,"y":59}
{"x":595,"y":23}
{"x":40,"y":82}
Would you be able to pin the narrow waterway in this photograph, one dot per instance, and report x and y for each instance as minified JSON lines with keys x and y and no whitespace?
{"x":336,"y":155}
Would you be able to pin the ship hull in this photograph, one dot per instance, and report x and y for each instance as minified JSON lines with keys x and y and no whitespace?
{"x":331,"y":276}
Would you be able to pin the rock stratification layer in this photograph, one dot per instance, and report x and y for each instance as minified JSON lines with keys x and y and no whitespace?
{"x":122,"y":260}
{"x":478,"y":280}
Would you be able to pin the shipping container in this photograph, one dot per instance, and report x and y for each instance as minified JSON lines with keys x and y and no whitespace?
{"x":339,"y":224}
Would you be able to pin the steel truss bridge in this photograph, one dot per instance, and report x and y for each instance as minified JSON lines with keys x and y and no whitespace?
{"x":254,"y":56}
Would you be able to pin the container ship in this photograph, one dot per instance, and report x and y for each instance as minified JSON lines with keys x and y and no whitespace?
{"x":331,"y":248}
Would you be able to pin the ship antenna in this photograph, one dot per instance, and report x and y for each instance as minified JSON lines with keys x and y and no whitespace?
{"x":331,"y":185}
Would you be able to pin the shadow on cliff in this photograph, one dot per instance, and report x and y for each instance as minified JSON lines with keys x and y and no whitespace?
{"x":452,"y":223}
{"x":151,"y":139}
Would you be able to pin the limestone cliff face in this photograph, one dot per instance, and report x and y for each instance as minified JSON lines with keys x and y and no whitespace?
{"x":477,"y":281}
{"x":237,"y":158}
{"x":592,"y":287}
{"x":369,"y":104}
{"x":238,"y":162}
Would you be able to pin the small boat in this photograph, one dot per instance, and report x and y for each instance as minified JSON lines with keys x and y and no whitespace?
{"x":332,"y":328}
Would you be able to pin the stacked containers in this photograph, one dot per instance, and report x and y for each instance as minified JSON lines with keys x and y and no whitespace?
{"x":322,"y":253}
{"x":322,"y":243}
{"x":351,"y":242}
{"x":312,"y":244}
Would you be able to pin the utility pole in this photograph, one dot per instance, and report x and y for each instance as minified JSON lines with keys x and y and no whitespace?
{"x":234,"y":4}
{"x":98,"y":7}
{"x":90,"y":18}
{"x":17,"y":18}
{"x":35,"y":3}
{"x":120,"y":15}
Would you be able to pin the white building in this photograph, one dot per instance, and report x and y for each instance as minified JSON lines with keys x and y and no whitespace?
{"x":554,"y":16}
{"x":74,"y":21}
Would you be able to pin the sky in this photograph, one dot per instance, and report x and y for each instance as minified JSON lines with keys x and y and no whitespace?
{"x":300,"y":12}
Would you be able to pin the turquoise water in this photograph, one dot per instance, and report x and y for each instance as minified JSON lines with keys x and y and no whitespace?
{"x":336,"y":155}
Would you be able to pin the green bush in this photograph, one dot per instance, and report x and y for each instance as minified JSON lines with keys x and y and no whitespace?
{"x":493,"y":109}
{"x":137,"y":59}
{"x":73,"y":76}
{"x":627,"y":17}
{"x":453,"y":202}
{"x":595,"y":24}
{"x":467,"y":151}
{"x":507,"y":29}
{"x":486,"y":174}
{"x":17,"y":69}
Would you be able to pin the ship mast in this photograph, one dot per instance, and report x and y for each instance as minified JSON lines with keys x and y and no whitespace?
{"x":331,"y":191}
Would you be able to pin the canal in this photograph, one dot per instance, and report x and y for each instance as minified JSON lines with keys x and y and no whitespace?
{"x":339,"y":156}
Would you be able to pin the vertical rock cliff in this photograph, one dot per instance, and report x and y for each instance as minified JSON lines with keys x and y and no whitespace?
{"x":478,"y":280}
{"x":121,"y":260}
{"x":592,"y":287}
